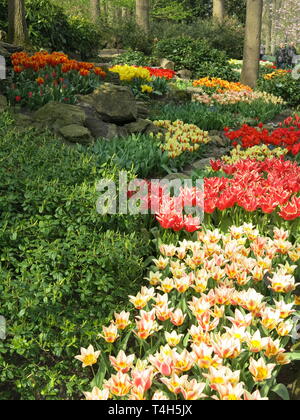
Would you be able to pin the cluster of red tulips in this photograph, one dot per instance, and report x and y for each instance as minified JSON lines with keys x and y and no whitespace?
{"x":270,"y":185}
{"x":286,"y":135}
{"x":161,"y":73}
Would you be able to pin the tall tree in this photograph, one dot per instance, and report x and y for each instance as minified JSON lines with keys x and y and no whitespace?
{"x":17,"y":28}
{"x":143,"y":14}
{"x":95,"y":10}
{"x":250,"y":71}
{"x":218,"y":10}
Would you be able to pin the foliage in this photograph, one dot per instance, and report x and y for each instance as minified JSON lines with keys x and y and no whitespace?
{"x":49,"y":27}
{"x":63,"y":267}
{"x":194,"y":55}
{"x":283,"y":85}
{"x":228,"y":37}
{"x":142,"y":154}
{"x":218,"y":116}
{"x":132,"y":58}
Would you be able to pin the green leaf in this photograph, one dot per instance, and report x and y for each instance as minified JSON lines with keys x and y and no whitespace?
{"x":294,"y":356}
{"x":282,"y":391}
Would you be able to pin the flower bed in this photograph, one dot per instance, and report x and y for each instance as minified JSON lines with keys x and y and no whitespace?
{"x":215,"y":323}
{"x":43,"y":77}
{"x":219,"y":85}
{"x":181,"y":137}
{"x":144,"y":79}
{"x":288,"y":135}
{"x":232,"y":97}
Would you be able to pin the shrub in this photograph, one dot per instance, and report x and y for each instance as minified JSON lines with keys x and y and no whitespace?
{"x":49,"y":27}
{"x":143,"y":155}
{"x":194,"y":55}
{"x":228,"y":37}
{"x":63,"y":266}
{"x":281,"y":84}
{"x":132,"y":58}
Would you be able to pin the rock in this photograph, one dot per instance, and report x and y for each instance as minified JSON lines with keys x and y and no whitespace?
{"x":201,"y":164}
{"x":57,"y":115}
{"x":167,"y":64}
{"x":101,"y":129}
{"x":218,"y":141}
{"x":114,"y":104}
{"x":140,"y":126}
{"x":76,"y":134}
{"x":178,"y":95}
{"x":142,"y":110}
{"x":185,"y":74}
{"x":3,"y":103}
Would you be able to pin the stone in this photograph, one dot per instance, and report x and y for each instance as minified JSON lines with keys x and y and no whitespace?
{"x":167,"y":64}
{"x":3,"y":103}
{"x":185,"y":74}
{"x":140,"y":126}
{"x":114,"y":104}
{"x":101,"y":129}
{"x":218,"y":140}
{"x":76,"y":134}
{"x":201,"y":164}
{"x":142,"y":110}
{"x":178,"y":95}
{"x":57,"y":115}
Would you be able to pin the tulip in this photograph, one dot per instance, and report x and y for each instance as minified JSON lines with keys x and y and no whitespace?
{"x":88,"y":356}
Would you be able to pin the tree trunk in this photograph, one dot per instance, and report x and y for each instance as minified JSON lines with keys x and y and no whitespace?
{"x":95,"y":10}
{"x":267,"y":26}
{"x":250,"y":71}
{"x":143,"y":14}
{"x":218,"y":10}
{"x":17,"y":28}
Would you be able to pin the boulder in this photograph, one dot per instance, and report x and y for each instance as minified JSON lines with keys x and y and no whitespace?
{"x":167,"y":64}
{"x":76,"y":134}
{"x":185,"y":74}
{"x":140,"y":126}
{"x":178,"y":95}
{"x":114,"y":104}
{"x":101,"y":129}
{"x":57,"y":115}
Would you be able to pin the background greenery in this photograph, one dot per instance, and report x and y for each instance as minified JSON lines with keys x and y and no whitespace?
{"x":63,"y":267}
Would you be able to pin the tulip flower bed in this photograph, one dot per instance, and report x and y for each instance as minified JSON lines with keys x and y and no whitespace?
{"x":144,"y":80}
{"x":215,"y":323}
{"x":181,"y":137}
{"x":232,"y":97}
{"x":258,"y":153}
{"x":270,"y":186}
{"x":44,"y":77}
{"x":288,"y":135}
{"x":220,"y":86}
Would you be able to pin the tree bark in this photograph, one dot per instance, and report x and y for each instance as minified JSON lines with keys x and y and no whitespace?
{"x":250,"y":71}
{"x":17,"y":28}
{"x":267,"y":25}
{"x":143,"y":14}
{"x":95,"y":10}
{"x":218,"y":10}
